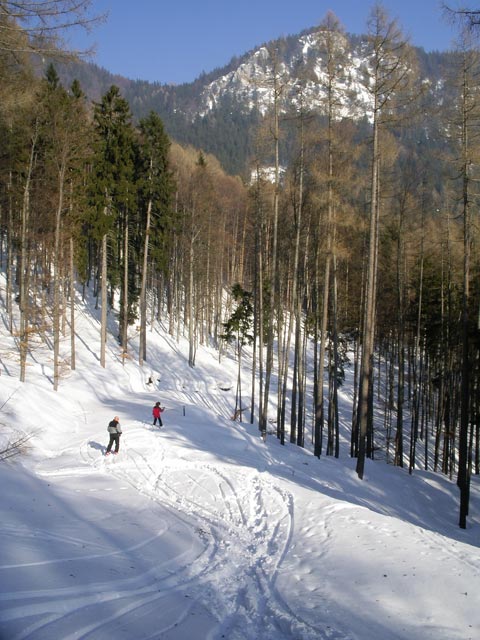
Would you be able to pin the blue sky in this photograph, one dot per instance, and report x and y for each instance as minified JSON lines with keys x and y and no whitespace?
{"x":173,"y":41}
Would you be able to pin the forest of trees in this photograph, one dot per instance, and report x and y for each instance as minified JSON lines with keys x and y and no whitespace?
{"x":364,"y":244}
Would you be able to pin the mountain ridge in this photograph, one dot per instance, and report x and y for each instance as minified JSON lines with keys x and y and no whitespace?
{"x":219,"y":110}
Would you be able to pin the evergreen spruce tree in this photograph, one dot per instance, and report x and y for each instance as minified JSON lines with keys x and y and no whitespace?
{"x":238,"y":329}
{"x":156,"y":187}
{"x":113,"y":197}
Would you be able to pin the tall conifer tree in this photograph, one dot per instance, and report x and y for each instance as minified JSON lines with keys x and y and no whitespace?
{"x":156,"y":186}
{"x":113,"y":195}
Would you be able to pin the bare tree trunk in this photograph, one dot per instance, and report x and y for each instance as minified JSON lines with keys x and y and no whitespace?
{"x":296,"y":422}
{"x":257,"y":302}
{"x":191,"y":302}
{"x":316,"y":425}
{"x":295,"y":382}
{"x":142,"y":352}
{"x":391,"y":77}
{"x":125,"y":301}
{"x":273,"y":275}
{"x":418,"y":360}
{"x":24,"y":266}
{"x":10,"y":235}
{"x":72,"y":308}
{"x":280,"y":328}
{"x":103,"y":304}
{"x":355,"y":436}
{"x":366,"y":367}
{"x":301,"y":387}
{"x":56,"y":276}
{"x":334,"y":399}
{"x":398,"y":460}
{"x":260,"y":328}
{"x":334,"y":58}
{"x":464,"y":455}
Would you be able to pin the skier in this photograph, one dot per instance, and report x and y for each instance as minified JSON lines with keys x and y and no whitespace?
{"x":115,"y":431}
{"x":157,"y":414}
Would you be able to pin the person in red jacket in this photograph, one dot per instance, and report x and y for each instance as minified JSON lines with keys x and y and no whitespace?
{"x":157,"y":414}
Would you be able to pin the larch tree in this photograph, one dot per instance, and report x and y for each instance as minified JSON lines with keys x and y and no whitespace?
{"x":19,"y":134}
{"x":43,"y":25}
{"x":331,"y":43}
{"x":466,"y":124}
{"x":389,"y":74}
{"x":277,"y":88}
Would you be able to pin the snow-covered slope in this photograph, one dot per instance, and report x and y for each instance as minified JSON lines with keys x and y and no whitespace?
{"x":200,"y":530}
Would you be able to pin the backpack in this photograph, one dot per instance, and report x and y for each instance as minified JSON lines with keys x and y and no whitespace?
{"x":112,"y":427}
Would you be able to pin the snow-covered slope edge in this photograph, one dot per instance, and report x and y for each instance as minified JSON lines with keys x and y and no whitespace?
{"x":200,"y":530}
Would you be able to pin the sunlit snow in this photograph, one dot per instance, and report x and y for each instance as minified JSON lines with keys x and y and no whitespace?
{"x":200,"y":530}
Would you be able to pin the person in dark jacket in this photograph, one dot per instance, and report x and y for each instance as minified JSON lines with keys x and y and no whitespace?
{"x":115,"y":431}
{"x":157,"y":414}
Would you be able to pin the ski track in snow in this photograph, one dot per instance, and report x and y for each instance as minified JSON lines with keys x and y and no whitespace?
{"x":243,"y":537}
{"x":238,"y":525}
{"x":246,"y":537}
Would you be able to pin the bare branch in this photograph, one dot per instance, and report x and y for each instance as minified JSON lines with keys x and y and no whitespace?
{"x":462,"y":15}
{"x":38,"y":27}
{"x":15,"y":447}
